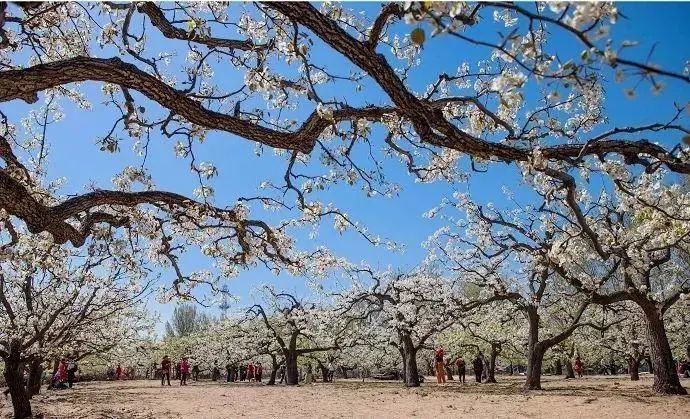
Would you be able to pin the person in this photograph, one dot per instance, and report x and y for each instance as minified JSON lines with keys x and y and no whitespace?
{"x":195,"y":372}
{"x":478,"y":366}
{"x":62,"y":370}
{"x":118,"y":372}
{"x":578,"y":367}
{"x":184,"y":371}
{"x":215,"y":373}
{"x":228,"y":373}
{"x":250,"y":371}
{"x":258,"y":371}
{"x":165,"y":370}
{"x":309,"y":377}
{"x":71,"y":372}
{"x":460,"y":364}
{"x":243,"y":372}
{"x":440,"y":366}
{"x":281,"y":372}
{"x":331,"y":371}
{"x":177,"y":371}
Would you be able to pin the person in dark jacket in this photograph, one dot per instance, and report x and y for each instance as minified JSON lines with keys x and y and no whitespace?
{"x":71,"y":372}
{"x":460,"y":364}
{"x":478,"y":365}
{"x":165,"y":369}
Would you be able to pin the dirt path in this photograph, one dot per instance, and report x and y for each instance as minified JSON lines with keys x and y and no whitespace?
{"x":590,"y":397}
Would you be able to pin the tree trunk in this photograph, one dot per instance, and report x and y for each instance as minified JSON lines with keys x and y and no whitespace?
{"x":535,"y":352}
{"x":35,"y":373}
{"x":666,"y":379}
{"x":633,"y":368}
{"x":291,"y":370}
{"x":569,"y":371}
{"x":491,"y":373}
{"x":410,"y":362}
{"x":56,"y":365}
{"x":14,"y":379}
{"x":274,"y":371}
{"x":558,"y":367}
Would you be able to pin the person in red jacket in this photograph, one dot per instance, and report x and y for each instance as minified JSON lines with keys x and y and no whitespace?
{"x":184,"y":371}
{"x":250,"y":371}
{"x":440,"y":366}
{"x":118,"y":372}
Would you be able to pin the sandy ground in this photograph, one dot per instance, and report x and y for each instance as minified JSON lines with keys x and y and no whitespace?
{"x":600,"y":397}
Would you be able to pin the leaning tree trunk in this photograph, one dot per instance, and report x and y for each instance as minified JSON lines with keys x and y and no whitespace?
{"x":634,"y":368}
{"x":35,"y":373}
{"x":558,"y":367}
{"x":666,"y":379}
{"x":14,"y":379}
{"x":569,"y":371}
{"x":491,"y":373}
{"x":535,"y":352}
{"x":410,"y":361}
{"x":291,"y":370}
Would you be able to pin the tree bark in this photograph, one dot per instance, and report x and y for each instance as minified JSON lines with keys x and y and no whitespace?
{"x":666,"y":379}
{"x":491,"y":373}
{"x":569,"y":371}
{"x":535,"y":352}
{"x":633,"y":368}
{"x":291,"y":370}
{"x":410,"y":363}
{"x":35,"y":373}
{"x":14,"y":378}
{"x":274,"y":371}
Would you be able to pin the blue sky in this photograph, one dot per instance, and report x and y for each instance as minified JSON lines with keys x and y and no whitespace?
{"x":75,"y":156}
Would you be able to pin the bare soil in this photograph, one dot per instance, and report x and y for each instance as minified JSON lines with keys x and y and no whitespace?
{"x":595,"y":396}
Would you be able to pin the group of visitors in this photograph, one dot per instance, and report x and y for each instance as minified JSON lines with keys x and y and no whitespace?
{"x":120,"y":373}
{"x":253,"y":371}
{"x":477,"y":365}
{"x":65,"y":374}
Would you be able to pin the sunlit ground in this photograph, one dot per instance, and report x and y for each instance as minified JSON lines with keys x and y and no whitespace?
{"x":594,"y":396}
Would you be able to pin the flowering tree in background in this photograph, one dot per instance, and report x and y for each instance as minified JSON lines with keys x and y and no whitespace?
{"x":506,"y":253}
{"x":495,"y":329}
{"x":57,"y":303}
{"x":300,"y":327}
{"x":415,"y":307}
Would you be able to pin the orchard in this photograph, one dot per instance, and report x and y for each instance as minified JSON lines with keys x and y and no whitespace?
{"x":343,"y":193}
